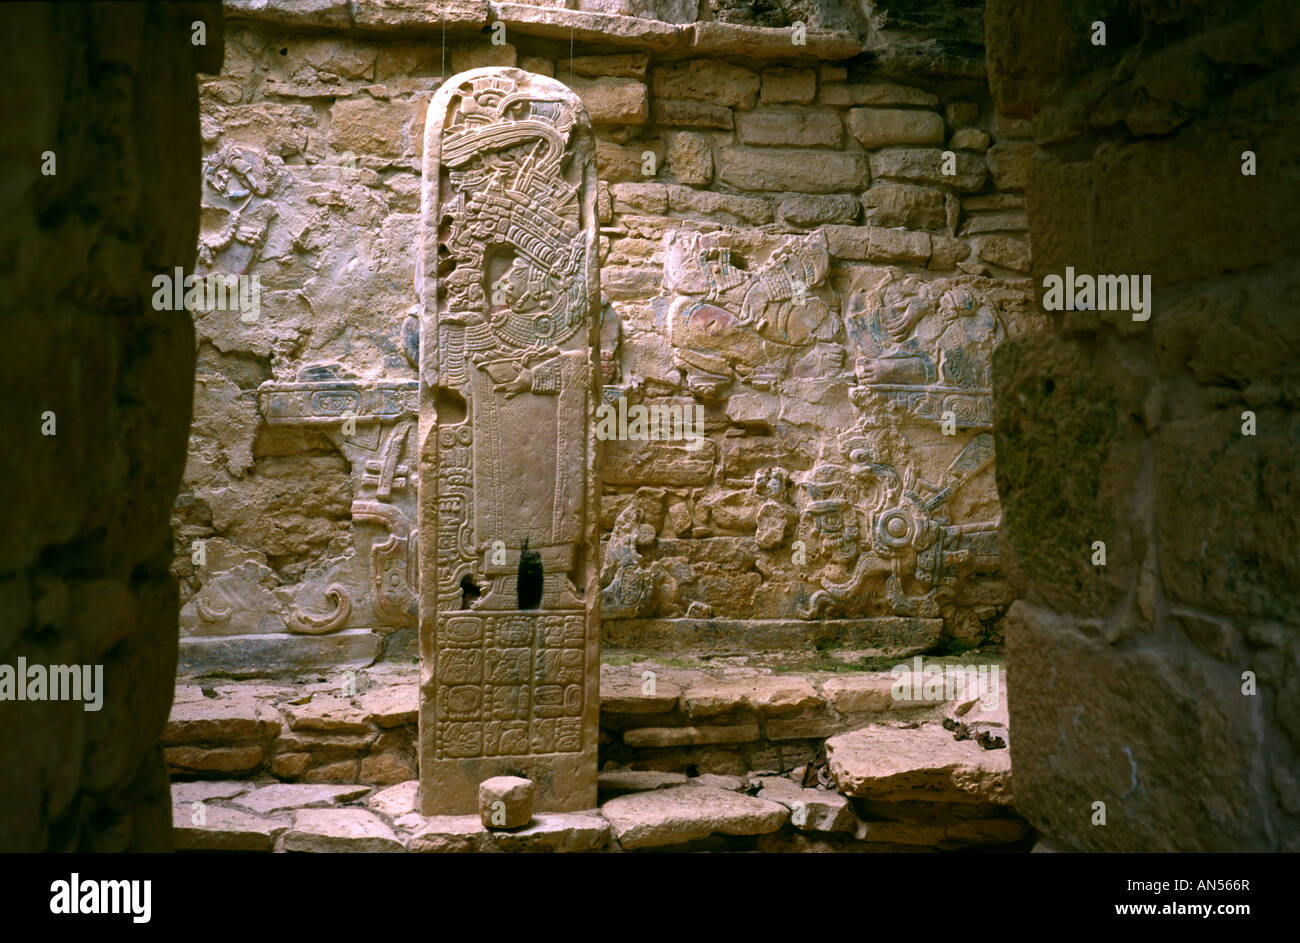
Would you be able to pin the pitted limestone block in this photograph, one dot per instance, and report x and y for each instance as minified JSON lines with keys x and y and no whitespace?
{"x":811,"y":810}
{"x":506,"y":802}
{"x":337,"y":830}
{"x":688,"y":813}
{"x":884,"y":127}
{"x":218,"y":828}
{"x":890,"y":763}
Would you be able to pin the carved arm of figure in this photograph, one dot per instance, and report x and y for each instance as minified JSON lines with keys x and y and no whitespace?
{"x":538,"y":371}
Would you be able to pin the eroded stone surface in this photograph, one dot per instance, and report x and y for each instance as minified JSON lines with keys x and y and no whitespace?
{"x":217,"y":828}
{"x":890,"y":763}
{"x":506,"y":802}
{"x":279,"y":797}
{"x":509,"y":340}
{"x":336,"y":830}
{"x":688,"y":813}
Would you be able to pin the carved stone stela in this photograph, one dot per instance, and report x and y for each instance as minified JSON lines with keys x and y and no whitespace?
{"x":509,"y":381}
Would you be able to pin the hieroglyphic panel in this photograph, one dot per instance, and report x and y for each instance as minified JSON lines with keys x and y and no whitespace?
{"x":509,"y":380}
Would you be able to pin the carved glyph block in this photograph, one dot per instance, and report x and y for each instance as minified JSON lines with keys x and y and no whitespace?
{"x":509,"y":381}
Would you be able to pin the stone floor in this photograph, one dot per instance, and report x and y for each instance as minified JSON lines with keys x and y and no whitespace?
{"x":725,"y":755}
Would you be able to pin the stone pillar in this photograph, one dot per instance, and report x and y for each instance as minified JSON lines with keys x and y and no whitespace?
{"x":509,"y":381}
{"x":101,"y":157}
{"x":1161,"y":683}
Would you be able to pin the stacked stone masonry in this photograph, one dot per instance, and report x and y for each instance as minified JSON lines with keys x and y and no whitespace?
{"x":714,"y":758}
{"x":803,"y":247}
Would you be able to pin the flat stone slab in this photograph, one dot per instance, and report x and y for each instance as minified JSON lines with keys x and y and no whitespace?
{"x":626,"y":691}
{"x":334,"y":830}
{"x":393,"y":705}
{"x":262,"y":656}
{"x":207,"y":790}
{"x":872,"y":693}
{"x":217,"y":828}
{"x":763,"y":694}
{"x":623,"y":781}
{"x":890,"y":636}
{"x":327,"y":715}
{"x":690,"y":736}
{"x":890,"y":763}
{"x":811,"y":810}
{"x":223,"y":719}
{"x":688,"y":813}
{"x":396,"y":801}
{"x":283,"y":796}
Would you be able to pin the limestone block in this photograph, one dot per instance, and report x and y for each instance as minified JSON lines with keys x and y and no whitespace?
{"x":614,"y":100}
{"x":811,"y":810}
{"x":889,"y":763}
{"x":690,"y":736}
{"x":192,"y":759}
{"x":901,"y":204}
{"x":340,"y":830}
{"x":688,"y":813}
{"x":808,"y":210}
{"x":217,"y":828}
{"x":789,"y":127}
{"x":506,"y":802}
{"x":327,"y":715}
{"x":925,"y":165}
{"x":267,"y":800}
{"x":620,"y":782}
{"x":763,"y":694}
{"x":884,"y":127}
{"x":732,"y":39}
{"x":391,"y":705}
{"x":690,"y":158}
{"x":876,"y":94}
{"x":707,"y":80}
{"x":971,"y":139}
{"x":692,"y":114}
{"x":482,"y":55}
{"x":1009,"y":164}
{"x":786,"y":85}
{"x":802,"y":171}
{"x":631,"y":65}
{"x":1004,"y":251}
{"x":396,"y":801}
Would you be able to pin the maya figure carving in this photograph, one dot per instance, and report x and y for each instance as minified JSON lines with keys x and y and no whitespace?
{"x":509,"y":368}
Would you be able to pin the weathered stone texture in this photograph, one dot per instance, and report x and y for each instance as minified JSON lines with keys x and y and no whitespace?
{"x":1137,"y":433}
{"x":509,"y":351}
{"x":98,"y":406}
{"x":311,"y":181}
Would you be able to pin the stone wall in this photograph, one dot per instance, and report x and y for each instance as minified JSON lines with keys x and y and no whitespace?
{"x":97,"y":407}
{"x":1167,"y":676}
{"x":786,"y":254}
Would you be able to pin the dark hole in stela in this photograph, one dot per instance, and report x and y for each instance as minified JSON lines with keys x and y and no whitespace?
{"x":530,"y":577}
{"x":469,"y":592}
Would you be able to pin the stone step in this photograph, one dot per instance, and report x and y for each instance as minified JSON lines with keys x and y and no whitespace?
{"x":743,"y":717}
{"x":683,"y":814}
{"x":931,"y":802}
{"x":894,"y":764}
